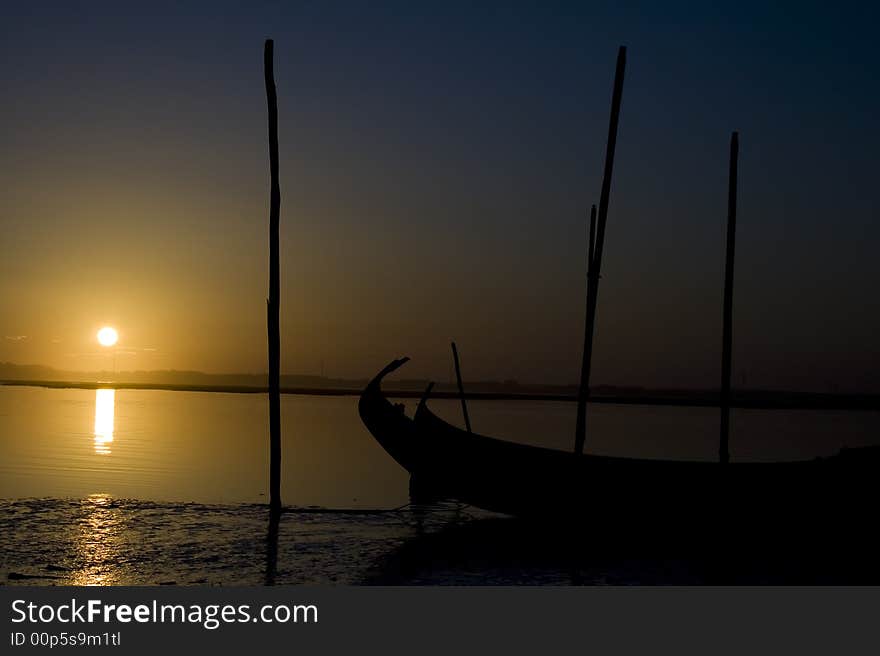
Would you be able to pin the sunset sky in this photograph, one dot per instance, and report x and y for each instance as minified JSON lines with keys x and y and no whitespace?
{"x":437,"y":168}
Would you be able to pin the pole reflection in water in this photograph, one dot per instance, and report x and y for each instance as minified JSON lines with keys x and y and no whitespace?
{"x":105,"y":401}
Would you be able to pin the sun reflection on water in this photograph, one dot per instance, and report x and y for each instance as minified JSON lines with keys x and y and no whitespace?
{"x":105,"y":401}
{"x":97,"y":541}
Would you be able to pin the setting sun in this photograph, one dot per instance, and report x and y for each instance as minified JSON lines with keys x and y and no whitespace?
{"x":107,"y":336}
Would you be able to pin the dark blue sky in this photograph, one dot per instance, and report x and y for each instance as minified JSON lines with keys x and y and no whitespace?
{"x":438,"y":163}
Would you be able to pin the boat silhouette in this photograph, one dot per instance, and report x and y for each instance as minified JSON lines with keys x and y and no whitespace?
{"x":446,"y":462}
{"x":625,"y":494}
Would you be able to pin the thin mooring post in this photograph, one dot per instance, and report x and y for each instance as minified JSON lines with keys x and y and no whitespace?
{"x":592,"y":238}
{"x":274,"y":301}
{"x":727,"y":329}
{"x":595,"y":257}
{"x":467,"y":420}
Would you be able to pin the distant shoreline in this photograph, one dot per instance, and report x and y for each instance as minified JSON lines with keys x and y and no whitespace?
{"x":746,"y":400}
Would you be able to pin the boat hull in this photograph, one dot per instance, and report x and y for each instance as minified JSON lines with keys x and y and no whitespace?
{"x":654,"y":495}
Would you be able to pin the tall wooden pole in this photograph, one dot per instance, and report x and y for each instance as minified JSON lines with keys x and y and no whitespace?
{"x":274,"y":301}
{"x":467,"y":420}
{"x":595,"y":263}
{"x":583,"y":395}
{"x":727,"y":329}
{"x":592,"y":238}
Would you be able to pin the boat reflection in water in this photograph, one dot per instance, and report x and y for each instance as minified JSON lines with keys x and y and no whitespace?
{"x":105,"y":400}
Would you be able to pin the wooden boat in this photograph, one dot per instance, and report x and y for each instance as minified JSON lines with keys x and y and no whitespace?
{"x":649,"y":495}
{"x":446,"y":462}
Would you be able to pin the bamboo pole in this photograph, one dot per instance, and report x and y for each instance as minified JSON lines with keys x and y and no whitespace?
{"x":274,"y":301}
{"x":727,"y":328}
{"x":595,"y":263}
{"x":464,"y":411}
{"x":592,"y":238}
{"x":582,"y":398}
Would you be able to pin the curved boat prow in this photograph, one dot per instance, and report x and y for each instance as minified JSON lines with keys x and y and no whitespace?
{"x":387,"y":422}
{"x":394,"y":365}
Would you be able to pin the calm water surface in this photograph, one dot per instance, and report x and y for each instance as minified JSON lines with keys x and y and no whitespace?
{"x":135,"y":487}
{"x":213,"y":448}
